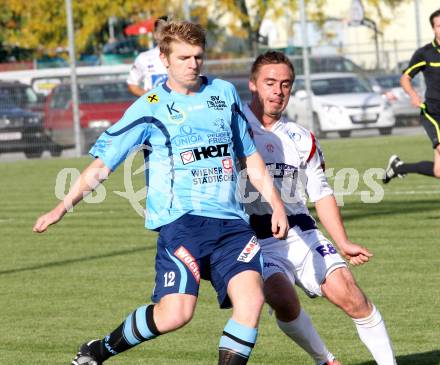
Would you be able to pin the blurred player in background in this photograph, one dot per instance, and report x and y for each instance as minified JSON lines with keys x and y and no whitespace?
{"x":148,"y":70}
{"x":305,"y":257}
{"x":427,"y":61}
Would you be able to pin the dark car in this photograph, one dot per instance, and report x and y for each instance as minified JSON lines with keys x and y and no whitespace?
{"x":21,"y":125}
{"x":101,"y":104}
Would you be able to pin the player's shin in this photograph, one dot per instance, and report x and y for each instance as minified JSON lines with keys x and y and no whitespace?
{"x":138,"y":327}
{"x":374,"y":335}
{"x":302,"y":331}
{"x":236,"y":344}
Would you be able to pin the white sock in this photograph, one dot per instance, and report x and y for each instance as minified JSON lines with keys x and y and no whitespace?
{"x":373,"y":334}
{"x":302,"y":331}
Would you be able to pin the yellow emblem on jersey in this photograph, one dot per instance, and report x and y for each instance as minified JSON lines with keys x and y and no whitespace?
{"x":153,"y":98}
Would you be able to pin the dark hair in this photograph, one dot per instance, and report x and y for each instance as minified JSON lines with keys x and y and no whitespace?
{"x":269,"y":58}
{"x":161,"y":19}
{"x":181,"y":31}
{"x":435,"y":14}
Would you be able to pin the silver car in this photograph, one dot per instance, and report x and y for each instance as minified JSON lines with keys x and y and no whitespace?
{"x":341,"y":102}
{"x":389,"y":86}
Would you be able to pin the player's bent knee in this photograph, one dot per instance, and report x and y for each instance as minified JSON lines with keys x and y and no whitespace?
{"x":174,"y":311}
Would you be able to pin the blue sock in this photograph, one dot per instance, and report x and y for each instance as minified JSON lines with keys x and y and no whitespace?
{"x":138,"y":327}
{"x":238,"y":339}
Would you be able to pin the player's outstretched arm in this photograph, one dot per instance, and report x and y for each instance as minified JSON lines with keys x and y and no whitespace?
{"x":89,"y":179}
{"x":330,"y":217}
{"x":262,"y":181}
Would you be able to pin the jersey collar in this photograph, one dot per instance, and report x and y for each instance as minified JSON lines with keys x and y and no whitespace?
{"x":252,"y":119}
{"x":202,"y":85}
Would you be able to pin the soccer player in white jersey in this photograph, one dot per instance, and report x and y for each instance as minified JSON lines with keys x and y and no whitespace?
{"x":148,"y":71}
{"x":191,"y":201}
{"x":305,"y":257}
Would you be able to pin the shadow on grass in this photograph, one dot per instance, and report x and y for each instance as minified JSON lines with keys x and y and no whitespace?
{"x":356,"y":210}
{"x":78,"y":259}
{"x":422,"y":358}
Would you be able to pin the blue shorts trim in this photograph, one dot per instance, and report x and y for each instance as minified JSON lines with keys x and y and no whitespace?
{"x":183,"y":275}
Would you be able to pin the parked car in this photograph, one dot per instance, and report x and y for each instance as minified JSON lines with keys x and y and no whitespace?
{"x":389,"y":85}
{"x":341,"y":102}
{"x":21,"y":125}
{"x":325,"y":64}
{"x":101,"y":104}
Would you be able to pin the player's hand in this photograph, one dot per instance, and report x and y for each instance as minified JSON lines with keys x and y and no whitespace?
{"x":46,"y":220}
{"x":354,"y":253}
{"x":280,"y":224}
{"x":416,"y":101}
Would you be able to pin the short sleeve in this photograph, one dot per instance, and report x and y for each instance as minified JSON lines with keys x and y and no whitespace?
{"x":243,"y":142}
{"x":416,"y":64}
{"x":317,"y":186}
{"x":124,"y":137}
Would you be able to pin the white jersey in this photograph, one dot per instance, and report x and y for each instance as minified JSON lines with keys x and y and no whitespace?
{"x":148,"y":70}
{"x":295,"y":160}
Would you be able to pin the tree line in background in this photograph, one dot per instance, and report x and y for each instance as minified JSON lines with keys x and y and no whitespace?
{"x":38,"y":27}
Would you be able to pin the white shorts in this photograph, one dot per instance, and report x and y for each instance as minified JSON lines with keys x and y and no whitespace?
{"x":307,"y":258}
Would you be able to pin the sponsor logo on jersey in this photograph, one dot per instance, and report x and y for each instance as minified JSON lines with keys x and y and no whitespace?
{"x":249,"y":251}
{"x":153,"y":98}
{"x":186,"y":137}
{"x":196,"y":107}
{"x":281,"y":169}
{"x":174,"y":115}
{"x":270,"y":148}
{"x":222,"y":135}
{"x":227,"y":163}
{"x":102,"y":144}
{"x":211,"y":175}
{"x":294,"y":136}
{"x":216,"y":103}
{"x":183,"y":254}
{"x":196,"y":154}
{"x":221,"y":125}
{"x":187,"y":157}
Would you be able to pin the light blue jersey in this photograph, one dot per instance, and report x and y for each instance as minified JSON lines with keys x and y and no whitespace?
{"x":191,"y":145}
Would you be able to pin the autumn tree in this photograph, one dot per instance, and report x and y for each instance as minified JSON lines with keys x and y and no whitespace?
{"x":247,"y":15}
{"x":40,"y":24}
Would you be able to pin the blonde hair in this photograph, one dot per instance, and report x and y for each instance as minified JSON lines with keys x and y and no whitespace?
{"x":181,"y":31}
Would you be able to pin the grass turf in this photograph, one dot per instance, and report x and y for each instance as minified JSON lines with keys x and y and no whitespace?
{"x":81,"y":278}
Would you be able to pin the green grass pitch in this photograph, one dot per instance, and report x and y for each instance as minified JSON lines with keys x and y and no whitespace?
{"x":81,"y":278}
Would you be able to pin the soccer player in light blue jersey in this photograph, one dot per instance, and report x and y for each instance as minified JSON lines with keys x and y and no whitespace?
{"x":194,"y":132}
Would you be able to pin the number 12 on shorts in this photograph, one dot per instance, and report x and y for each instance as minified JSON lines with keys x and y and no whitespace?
{"x":169,"y":279}
{"x":326,"y":249}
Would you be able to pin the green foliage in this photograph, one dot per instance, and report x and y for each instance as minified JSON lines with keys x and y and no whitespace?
{"x":42,"y":23}
{"x":81,"y":278}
